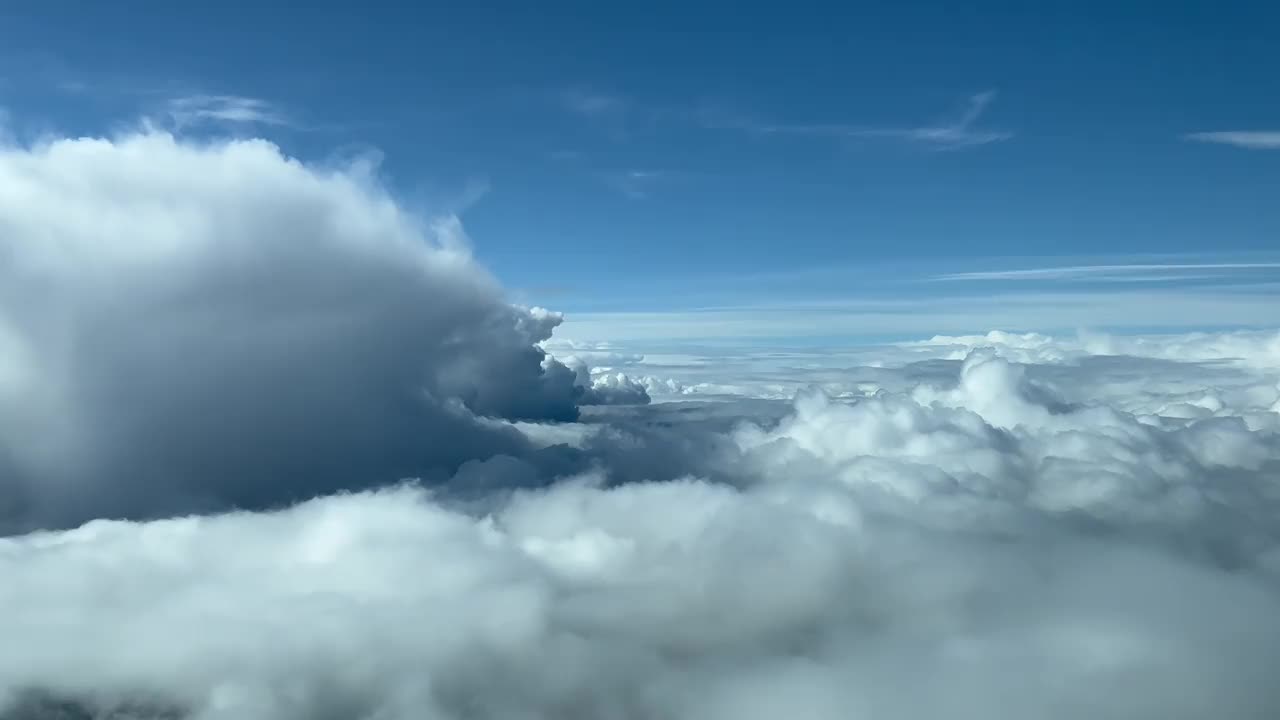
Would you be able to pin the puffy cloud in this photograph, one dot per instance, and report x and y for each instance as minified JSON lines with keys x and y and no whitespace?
{"x":603,"y":387}
{"x":1029,"y":557}
{"x":999,"y":449}
{"x":1133,"y":371}
{"x":615,"y":389}
{"x":663,"y":600}
{"x":187,"y":326}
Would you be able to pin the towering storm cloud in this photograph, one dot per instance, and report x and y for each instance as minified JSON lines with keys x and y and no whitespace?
{"x":187,"y":326}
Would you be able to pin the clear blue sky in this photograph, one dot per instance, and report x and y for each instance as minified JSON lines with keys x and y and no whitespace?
{"x":610,"y":156}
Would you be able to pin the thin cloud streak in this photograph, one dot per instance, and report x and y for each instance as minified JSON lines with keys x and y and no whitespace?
{"x":233,"y":109}
{"x":852,"y":318}
{"x":956,"y":134}
{"x":952,"y":133}
{"x":635,"y":184}
{"x":593,"y":104}
{"x":1088,"y":271}
{"x":1247,"y":139}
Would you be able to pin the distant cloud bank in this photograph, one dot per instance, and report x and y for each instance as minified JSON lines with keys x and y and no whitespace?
{"x":1248,"y":139}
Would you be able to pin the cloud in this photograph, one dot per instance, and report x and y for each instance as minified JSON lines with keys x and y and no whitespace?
{"x":999,"y":442}
{"x":1134,"y":271}
{"x":635,"y":184}
{"x":1247,"y":139}
{"x":594,"y":104}
{"x":954,"y":134}
{"x":615,"y":116}
{"x":1253,"y":349}
{"x":623,"y":114}
{"x":224,"y":109}
{"x":1029,"y":556}
{"x":1172,"y":309}
{"x":1111,"y":366}
{"x":604,"y":387}
{"x":186,"y":326}
{"x":235,"y":355}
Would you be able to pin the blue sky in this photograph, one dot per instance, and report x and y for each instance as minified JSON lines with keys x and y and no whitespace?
{"x":665,"y":158}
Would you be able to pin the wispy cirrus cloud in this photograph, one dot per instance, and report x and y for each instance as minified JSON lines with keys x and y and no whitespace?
{"x":233,"y":109}
{"x":1247,"y":139}
{"x":957,"y":132}
{"x":1101,"y":272}
{"x":635,"y":184}
{"x":857,"y":317}
{"x":593,"y":104}
{"x":615,"y":116}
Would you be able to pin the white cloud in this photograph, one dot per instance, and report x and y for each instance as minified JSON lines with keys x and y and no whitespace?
{"x":1096,"y":272}
{"x":186,"y":325}
{"x":1248,"y":139}
{"x":1188,"y":374}
{"x":233,"y":109}
{"x":603,"y":387}
{"x":594,"y":104}
{"x":954,"y":134}
{"x":1172,"y":309}
{"x":1021,"y":524}
{"x":1255,"y":349}
{"x":1030,"y":559}
{"x":635,"y":184}
{"x":621,"y":113}
{"x":1013,"y":452}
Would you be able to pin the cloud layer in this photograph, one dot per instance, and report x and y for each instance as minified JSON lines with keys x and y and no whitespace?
{"x":1011,"y":554}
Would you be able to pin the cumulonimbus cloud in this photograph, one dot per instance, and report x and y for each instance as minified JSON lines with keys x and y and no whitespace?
{"x":188,"y":326}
